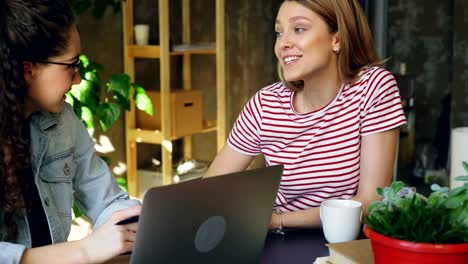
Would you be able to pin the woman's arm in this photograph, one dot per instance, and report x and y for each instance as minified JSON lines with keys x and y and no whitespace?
{"x":71,"y":252}
{"x":108,"y":241}
{"x":376,"y":169}
{"x":378,"y":152}
{"x":228,"y":161}
{"x":96,"y":191}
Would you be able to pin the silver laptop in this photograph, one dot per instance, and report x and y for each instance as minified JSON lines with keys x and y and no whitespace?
{"x":222,"y":219}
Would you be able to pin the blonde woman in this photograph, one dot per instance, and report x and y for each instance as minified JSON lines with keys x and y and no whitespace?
{"x":333,"y":119}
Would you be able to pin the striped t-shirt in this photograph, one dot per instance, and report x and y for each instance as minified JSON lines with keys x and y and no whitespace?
{"x":320,"y":150}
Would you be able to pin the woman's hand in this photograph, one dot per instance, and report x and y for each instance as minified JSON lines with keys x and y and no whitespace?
{"x":111,"y":240}
{"x":274,"y":222}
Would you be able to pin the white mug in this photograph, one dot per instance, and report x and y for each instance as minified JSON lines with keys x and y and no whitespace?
{"x":341,"y":219}
{"x":141,"y":34}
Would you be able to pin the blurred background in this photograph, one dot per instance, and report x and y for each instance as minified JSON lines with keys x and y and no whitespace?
{"x":425,"y":42}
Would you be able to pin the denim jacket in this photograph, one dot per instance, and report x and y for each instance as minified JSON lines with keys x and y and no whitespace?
{"x":66,"y":170}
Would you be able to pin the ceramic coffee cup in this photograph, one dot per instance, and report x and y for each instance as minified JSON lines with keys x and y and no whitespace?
{"x":141,"y":34}
{"x":341,"y":219}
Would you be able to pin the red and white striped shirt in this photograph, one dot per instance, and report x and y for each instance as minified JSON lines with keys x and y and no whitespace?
{"x":320,"y":150}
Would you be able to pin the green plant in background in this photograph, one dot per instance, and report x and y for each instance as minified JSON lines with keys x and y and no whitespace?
{"x":86,"y":98}
{"x":404,"y":214}
{"x":465,"y":177}
{"x":94,"y":107}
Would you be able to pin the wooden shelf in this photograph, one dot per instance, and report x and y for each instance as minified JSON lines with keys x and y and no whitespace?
{"x":209,"y":126}
{"x":154,"y":136}
{"x":192,"y":52}
{"x":163,"y":54}
{"x":145,"y":136}
{"x":154,"y":51}
{"x":137,"y":51}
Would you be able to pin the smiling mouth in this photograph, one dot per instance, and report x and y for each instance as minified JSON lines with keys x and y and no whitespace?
{"x":290,"y":59}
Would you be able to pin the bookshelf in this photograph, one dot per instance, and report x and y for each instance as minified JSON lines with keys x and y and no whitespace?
{"x":163,"y":53}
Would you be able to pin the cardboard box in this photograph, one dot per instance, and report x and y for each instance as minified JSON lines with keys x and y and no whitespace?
{"x":185,"y":114}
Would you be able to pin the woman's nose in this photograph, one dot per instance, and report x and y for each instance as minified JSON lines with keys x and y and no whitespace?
{"x":285,"y":42}
{"x":76,"y":78}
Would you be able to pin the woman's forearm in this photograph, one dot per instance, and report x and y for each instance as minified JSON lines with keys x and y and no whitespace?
{"x":308,"y":218}
{"x":68,"y":252}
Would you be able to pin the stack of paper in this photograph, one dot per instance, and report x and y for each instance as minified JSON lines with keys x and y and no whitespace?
{"x":322,"y":260}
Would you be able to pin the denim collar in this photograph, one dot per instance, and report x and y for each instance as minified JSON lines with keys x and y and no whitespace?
{"x":44,"y":120}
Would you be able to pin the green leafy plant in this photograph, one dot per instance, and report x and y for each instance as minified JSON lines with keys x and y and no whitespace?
{"x":94,"y":107}
{"x":407,"y":215}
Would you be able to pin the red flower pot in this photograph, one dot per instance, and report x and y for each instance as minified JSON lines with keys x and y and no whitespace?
{"x":390,"y":250}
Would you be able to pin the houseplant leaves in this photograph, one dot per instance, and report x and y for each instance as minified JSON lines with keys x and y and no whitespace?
{"x":92,"y":104}
{"x":407,"y":215}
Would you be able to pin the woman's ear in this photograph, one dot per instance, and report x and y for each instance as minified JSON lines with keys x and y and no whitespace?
{"x":336,"y":42}
{"x":28,"y":71}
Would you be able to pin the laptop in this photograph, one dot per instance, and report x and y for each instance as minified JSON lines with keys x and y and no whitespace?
{"x":221,"y":219}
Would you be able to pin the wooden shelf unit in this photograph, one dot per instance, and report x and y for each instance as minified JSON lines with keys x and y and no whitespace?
{"x":154,"y":51}
{"x":162,"y":52}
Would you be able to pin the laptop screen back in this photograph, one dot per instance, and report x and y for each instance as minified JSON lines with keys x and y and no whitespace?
{"x":222,"y":219}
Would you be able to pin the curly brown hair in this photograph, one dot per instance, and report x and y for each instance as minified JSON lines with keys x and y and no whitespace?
{"x":30,"y":31}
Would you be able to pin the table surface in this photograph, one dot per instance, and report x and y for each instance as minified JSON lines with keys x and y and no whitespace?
{"x":296,"y":246}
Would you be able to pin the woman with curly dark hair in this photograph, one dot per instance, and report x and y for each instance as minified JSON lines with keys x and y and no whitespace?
{"x":47,"y":159}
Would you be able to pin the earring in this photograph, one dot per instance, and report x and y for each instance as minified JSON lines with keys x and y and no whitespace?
{"x":337,"y":50}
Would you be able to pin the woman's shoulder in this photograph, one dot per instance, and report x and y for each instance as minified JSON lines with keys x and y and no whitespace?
{"x":273,"y":93}
{"x":43,"y":119}
{"x":374,"y":73}
{"x":68,"y":119}
{"x":67,"y":114}
{"x":371,"y":78}
{"x":71,"y":123}
{"x":275,"y":89}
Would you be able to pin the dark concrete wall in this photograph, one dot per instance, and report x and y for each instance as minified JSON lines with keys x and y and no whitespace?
{"x":420,"y":35}
{"x":430,"y":37}
{"x":460,"y":65}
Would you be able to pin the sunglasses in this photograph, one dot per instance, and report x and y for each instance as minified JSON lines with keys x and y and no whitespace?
{"x":75,"y":66}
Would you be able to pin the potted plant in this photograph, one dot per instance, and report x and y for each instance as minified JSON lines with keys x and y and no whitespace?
{"x":407,"y":227}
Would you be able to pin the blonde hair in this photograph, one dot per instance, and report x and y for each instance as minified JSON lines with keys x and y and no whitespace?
{"x":356,"y":43}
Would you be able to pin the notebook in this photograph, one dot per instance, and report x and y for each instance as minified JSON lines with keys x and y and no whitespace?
{"x":221,"y":219}
{"x":351,"y":252}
